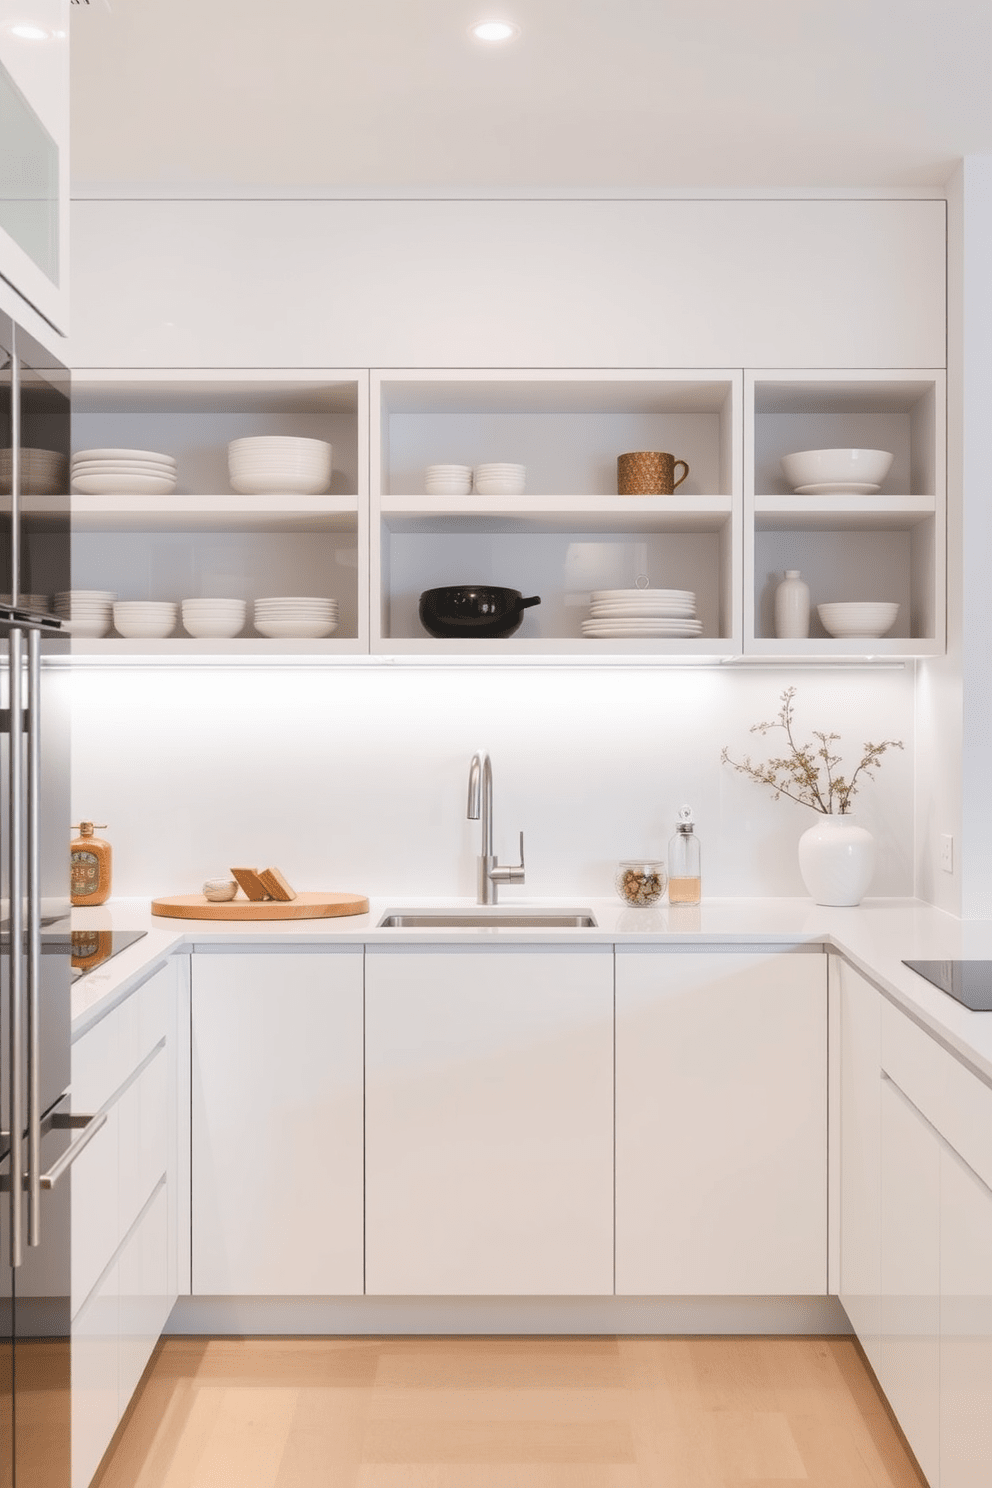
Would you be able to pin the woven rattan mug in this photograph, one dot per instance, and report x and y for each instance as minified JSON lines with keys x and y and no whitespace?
{"x":648,"y":473}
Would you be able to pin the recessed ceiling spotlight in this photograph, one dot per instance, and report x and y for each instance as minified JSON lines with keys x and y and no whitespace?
{"x":495,"y":31}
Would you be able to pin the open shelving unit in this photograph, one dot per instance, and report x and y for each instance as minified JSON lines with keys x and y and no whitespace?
{"x":205,"y":539}
{"x":890,"y":545}
{"x":571,"y":533}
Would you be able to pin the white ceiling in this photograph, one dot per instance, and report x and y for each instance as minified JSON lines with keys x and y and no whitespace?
{"x":641,"y":95}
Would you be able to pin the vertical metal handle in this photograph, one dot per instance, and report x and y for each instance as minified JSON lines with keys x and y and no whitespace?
{"x":15,"y":1082}
{"x":34,"y":935}
{"x":15,"y":479}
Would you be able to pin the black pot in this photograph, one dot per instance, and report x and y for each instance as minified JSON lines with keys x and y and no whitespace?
{"x":473,"y":610}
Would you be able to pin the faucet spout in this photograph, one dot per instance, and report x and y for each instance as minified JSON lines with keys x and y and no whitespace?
{"x":480,"y":807}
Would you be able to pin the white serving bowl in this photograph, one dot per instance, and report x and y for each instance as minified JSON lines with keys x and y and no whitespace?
{"x":836,"y":467}
{"x":296,"y":629}
{"x":281,"y":485}
{"x":87,"y":630}
{"x":217,"y":627}
{"x":499,"y":488}
{"x":143,"y":630}
{"x":292,"y":443}
{"x":868,"y":618}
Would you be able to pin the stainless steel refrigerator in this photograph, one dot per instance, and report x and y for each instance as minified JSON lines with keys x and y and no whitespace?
{"x":39,"y":1138}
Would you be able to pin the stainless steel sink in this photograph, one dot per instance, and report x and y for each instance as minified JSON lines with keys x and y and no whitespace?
{"x":487,"y":919}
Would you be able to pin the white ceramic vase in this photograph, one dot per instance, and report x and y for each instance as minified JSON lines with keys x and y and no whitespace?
{"x":837,"y":860}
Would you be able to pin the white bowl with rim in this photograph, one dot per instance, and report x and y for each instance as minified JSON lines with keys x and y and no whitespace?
{"x":848,"y":620}
{"x":820,"y":467}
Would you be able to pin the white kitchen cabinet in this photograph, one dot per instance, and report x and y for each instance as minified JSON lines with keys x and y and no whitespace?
{"x":859,"y":1053}
{"x":277,"y":1122}
{"x":34,"y":154}
{"x":206,"y":540}
{"x":965,"y":1325}
{"x":884,"y":546}
{"x":128,"y":1205}
{"x":489,"y":1121}
{"x":909,"y":1355}
{"x":721,"y":1122}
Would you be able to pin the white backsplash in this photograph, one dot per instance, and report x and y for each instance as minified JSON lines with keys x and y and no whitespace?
{"x":354,"y":778}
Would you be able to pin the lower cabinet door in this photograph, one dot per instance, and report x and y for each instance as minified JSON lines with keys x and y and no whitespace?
{"x":145,"y":1298}
{"x":721,"y":1123}
{"x":860,"y":1157}
{"x":909,"y":1354}
{"x":489,"y":1122}
{"x":277,"y":1123}
{"x":95,"y":1376}
{"x":965,"y":1326}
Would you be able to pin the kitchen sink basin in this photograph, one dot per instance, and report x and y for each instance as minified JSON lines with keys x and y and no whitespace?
{"x":510,"y":918}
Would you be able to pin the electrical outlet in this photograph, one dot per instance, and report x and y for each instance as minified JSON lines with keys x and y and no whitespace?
{"x":947,"y":853}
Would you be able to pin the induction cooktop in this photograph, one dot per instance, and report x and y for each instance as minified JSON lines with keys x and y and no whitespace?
{"x":969,"y":982}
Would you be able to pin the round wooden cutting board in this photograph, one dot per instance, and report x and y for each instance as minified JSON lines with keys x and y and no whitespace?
{"x":303,"y":907}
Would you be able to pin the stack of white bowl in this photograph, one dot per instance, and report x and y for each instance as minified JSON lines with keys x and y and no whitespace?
{"x":835,"y":472}
{"x":216,"y":618}
{"x":37,"y":602}
{"x":628,"y":614}
{"x":498,"y":479}
{"x":279,"y":464}
{"x":849,"y":619}
{"x":448,"y":480}
{"x":292,"y":616}
{"x":144,"y":619}
{"x":89,"y":612}
{"x":123,"y":472}
{"x":42,"y":472}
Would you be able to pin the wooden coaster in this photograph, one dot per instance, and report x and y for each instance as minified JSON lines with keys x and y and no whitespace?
{"x":304,"y":907}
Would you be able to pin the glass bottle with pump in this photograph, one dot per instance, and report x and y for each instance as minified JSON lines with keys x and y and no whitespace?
{"x":683,"y":862}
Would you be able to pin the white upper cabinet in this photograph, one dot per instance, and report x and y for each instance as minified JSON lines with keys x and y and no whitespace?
{"x":34,"y":154}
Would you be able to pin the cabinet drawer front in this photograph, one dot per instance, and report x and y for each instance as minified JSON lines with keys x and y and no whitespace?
{"x":94,"y":1210}
{"x":952,"y":1099}
{"x":145,"y":1301}
{"x":98,"y":1068}
{"x":95,"y":1400}
{"x":143,"y":1134}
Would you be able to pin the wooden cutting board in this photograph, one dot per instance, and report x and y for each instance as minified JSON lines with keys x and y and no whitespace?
{"x":304,"y":907}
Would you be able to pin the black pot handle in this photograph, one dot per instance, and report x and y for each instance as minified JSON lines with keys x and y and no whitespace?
{"x":525,"y":604}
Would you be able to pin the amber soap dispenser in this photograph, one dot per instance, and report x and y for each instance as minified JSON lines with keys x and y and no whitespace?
{"x":90,"y":866}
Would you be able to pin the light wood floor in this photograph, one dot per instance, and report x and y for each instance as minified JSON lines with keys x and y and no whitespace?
{"x":508,"y":1413}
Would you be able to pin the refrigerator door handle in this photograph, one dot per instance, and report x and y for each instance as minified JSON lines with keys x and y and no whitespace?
{"x":60,"y":1121}
{"x":15,"y":844}
{"x":34,"y":937}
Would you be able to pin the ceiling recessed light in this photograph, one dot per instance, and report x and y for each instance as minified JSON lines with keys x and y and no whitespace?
{"x":495,"y":31}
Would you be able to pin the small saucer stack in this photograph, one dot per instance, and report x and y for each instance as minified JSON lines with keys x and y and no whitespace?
{"x":88,"y":612}
{"x":497,"y":479}
{"x":123,"y":472}
{"x":283,"y":617}
{"x":448,"y":480}
{"x":630,"y":614}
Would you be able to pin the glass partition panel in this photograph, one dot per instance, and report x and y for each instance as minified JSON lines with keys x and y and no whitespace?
{"x":29,"y":179}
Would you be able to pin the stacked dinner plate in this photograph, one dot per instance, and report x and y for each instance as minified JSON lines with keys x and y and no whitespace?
{"x":123,"y":472}
{"x":616,"y":614}
{"x":292,"y":616}
{"x":89,"y":612}
{"x":279,"y":464}
{"x":42,"y":472}
{"x":145,"y":619}
{"x":217,"y":618}
{"x":499,"y":479}
{"x":36,"y":602}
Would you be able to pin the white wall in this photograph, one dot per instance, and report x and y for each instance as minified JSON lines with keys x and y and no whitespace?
{"x":354,"y":778}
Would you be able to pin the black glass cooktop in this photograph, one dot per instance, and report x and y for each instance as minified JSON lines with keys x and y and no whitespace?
{"x":969,"y":982}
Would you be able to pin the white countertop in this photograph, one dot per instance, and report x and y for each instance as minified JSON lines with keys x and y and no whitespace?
{"x":876,"y":938}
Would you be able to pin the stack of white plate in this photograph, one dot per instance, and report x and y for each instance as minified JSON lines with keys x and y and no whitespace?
{"x":36,"y":602}
{"x":145,"y":619}
{"x":292,"y":616}
{"x":498,"y":479}
{"x":123,"y":472}
{"x":448,"y":480}
{"x":88,"y":612}
{"x":42,"y":472}
{"x":217,"y":618}
{"x":616,"y":614}
{"x":279,"y":464}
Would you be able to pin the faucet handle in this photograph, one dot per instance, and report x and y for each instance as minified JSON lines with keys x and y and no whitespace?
{"x":508,"y":874}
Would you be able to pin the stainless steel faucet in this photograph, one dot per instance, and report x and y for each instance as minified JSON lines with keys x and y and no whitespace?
{"x":480,"y":803}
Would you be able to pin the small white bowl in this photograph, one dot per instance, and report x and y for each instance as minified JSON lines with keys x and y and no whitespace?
{"x":836,"y":467}
{"x":219,"y":890}
{"x":858,"y":618}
